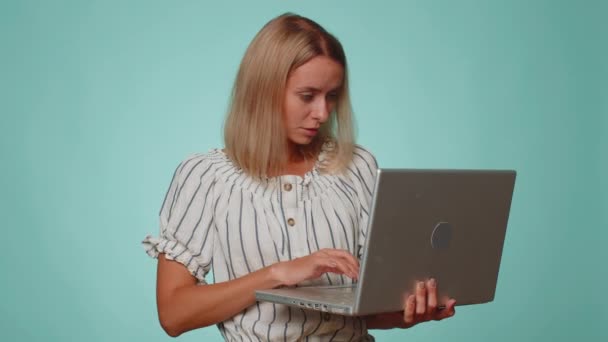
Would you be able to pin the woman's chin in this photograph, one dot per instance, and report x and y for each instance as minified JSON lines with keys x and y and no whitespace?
{"x":302,"y":140}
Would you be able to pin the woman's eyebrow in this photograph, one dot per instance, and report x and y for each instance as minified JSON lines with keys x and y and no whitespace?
{"x":309,"y":89}
{"x":316,"y":90}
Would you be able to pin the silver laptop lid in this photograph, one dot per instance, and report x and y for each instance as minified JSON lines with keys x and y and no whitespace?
{"x":445,"y":224}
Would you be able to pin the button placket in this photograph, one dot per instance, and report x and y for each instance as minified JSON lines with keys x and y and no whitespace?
{"x":294,"y":219}
{"x":289,"y":202}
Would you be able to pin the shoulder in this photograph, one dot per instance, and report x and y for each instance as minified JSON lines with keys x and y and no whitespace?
{"x":199,"y":166}
{"x":362,"y":157}
{"x":361,"y":171}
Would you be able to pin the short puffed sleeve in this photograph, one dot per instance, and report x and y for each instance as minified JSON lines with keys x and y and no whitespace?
{"x":186,"y":218}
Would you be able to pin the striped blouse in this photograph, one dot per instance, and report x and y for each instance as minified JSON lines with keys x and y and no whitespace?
{"x":216,"y":217}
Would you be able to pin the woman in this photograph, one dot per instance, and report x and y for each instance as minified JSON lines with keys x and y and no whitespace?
{"x":284,"y":203}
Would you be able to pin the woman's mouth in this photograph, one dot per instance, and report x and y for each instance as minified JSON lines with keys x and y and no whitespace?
{"x":311,"y":131}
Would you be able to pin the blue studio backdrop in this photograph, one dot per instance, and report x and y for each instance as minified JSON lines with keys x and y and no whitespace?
{"x":100,"y":100}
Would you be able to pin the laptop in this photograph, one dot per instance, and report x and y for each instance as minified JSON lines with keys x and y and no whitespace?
{"x":446,"y":224}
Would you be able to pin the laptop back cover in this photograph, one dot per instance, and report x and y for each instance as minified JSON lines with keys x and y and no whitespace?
{"x":445,"y":224}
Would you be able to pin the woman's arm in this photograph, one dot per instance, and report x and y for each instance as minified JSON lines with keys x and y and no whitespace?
{"x":385,"y":321}
{"x":183,"y":305}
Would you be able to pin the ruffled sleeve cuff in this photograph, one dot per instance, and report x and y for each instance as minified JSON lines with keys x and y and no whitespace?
{"x":175,"y":251}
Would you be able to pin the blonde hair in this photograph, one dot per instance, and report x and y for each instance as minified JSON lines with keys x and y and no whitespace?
{"x":254,"y":131}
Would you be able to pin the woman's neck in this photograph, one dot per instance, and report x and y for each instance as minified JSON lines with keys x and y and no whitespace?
{"x":299,"y":162}
{"x":295,"y":153}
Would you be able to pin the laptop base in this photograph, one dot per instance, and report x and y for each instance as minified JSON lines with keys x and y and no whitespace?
{"x":333,"y":299}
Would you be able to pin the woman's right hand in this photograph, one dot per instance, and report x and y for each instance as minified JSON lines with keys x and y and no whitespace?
{"x":315,"y":265}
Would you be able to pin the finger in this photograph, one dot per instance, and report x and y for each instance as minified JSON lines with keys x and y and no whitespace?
{"x":420,"y":299}
{"x":449,"y":311}
{"x":331,"y":265}
{"x":340,"y":253}
{"x":345,"y":255}
{"x":352,"y":271}
{"x":336,"y":265}
{"x":431,"y":297}
{"x":408,"y":313}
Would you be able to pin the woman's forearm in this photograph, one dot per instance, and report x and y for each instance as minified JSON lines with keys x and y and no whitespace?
{"x":385,"y":321}
{"x":183,"y":305}
{"x":195,"y":306}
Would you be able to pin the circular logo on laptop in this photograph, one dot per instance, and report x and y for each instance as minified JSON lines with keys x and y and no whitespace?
{"x":442,"y":235}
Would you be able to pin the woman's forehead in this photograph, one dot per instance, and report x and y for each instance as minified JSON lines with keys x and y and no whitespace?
{"x":320,"y":73}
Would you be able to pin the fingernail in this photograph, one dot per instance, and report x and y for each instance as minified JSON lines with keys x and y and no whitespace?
{"x":420,"y":285}
{"x":432,"y":282}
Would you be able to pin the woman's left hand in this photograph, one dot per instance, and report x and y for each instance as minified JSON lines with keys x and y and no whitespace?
{"x":422,"y":306}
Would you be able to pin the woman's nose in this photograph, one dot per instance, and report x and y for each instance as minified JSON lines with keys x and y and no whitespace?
{"x":321,"y":111}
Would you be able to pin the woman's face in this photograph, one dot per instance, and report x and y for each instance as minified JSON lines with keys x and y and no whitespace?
{"x":310,"y":97}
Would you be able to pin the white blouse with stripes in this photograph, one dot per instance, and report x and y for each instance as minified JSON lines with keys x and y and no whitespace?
{"x":216,"y":217}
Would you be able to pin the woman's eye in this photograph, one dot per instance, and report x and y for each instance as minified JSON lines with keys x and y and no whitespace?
{"x":306,"y":97}
{"x":332,"y":96}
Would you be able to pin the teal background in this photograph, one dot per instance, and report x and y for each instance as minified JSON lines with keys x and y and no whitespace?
{"x":100,"y":100}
